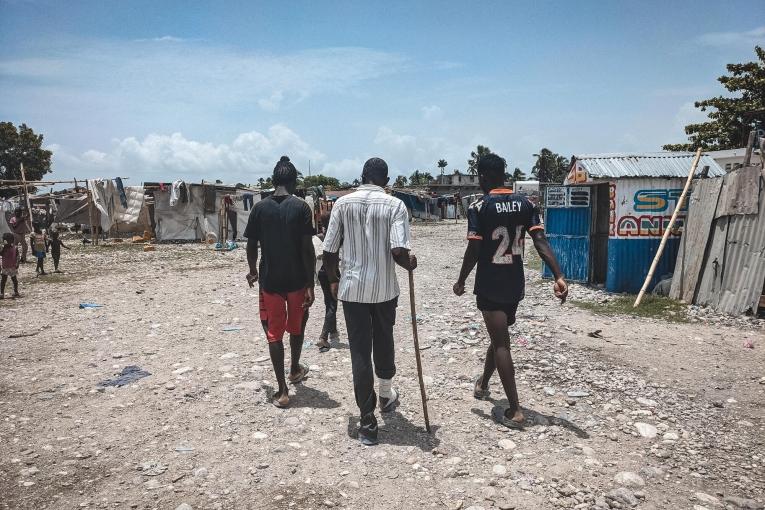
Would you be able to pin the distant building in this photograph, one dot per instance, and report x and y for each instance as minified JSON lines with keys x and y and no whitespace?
{"x":731,"y":159}
{"x":449,"y":184}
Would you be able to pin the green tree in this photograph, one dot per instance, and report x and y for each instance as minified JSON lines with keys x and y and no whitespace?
{"x":442,"y":164}
{"x":356,"y":183}
{"x":18,"y":146}
{"x":420,"y":178}
{"x":730,"y":118}
{"x":320,"y":180}
{"x":400,"y":182}
{"x":475,"y":156}
{"x":518,"y":175}
{"x":265,"y":183}
{"x":550,"y":166}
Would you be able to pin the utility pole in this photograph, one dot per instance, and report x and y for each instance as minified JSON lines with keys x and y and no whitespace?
{"x":26,"y":196}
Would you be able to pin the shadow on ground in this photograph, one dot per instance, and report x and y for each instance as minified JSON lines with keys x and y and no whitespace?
{"x":537,"y":419}
{"x":399,"y":431}
{"x":305,"y":396}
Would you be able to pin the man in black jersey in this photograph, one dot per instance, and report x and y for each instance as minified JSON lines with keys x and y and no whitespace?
{"x":497,"y":226}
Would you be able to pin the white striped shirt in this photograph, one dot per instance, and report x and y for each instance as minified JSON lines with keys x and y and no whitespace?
{"x":368,"y":224}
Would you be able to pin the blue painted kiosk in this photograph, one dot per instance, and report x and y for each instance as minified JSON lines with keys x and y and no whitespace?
{"x":606,"y":221}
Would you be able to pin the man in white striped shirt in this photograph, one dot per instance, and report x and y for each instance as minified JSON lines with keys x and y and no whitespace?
{"x":373,"y":229}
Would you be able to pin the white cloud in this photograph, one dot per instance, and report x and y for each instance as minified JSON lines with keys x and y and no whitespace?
{"x":345,"y":169}
{"x":686,"y":114}
{"x":167,"y":157}
{"x":168,"y":38}
{"x":406,"y":153}
{"x":432,"y":112}
{"x":747,"y":38}
{"x":153,"y":76}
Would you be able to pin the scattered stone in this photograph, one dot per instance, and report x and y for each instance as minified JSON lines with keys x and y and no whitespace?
{"x":646,"y":430}
{"x":507,"y":444}
{"x":499,"y":470}
{"x":152,"y":468}
{"x":623,"y":496}
{"x":670,"y":436}
{"x":567,"y":490}
{"x":182,"y":370}
{"x":743,"y":503}
{"x":201,"y":472}
{"x":169,"y":386}
{"x":259,"y":435}
{"x":578,"y":393}
{"x":183,"y":506}
{"x":549,"y":391}
{"x":652,"y":472}
{"x":647,"y":402}
{"x":629,"y":479}
{"x":708,"y":499}
{"x":229,"y":355}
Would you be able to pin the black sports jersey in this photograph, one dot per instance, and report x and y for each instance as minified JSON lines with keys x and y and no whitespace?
{"x":500,"y":221}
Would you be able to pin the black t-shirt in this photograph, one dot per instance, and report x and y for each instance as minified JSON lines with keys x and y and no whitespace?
{"x":500,"y":221}
{"x":279,"y":223}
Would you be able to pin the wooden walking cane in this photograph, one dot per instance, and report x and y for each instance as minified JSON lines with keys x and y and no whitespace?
{"x":417,"y":350}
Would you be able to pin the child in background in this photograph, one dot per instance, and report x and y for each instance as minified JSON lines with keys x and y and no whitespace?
{"x":9,"y":258}
{"x":55,"y":244}
{"x":39,"y":242}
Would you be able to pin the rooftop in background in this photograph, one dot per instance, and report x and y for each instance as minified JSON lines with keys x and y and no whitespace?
{"x":645,"y":164}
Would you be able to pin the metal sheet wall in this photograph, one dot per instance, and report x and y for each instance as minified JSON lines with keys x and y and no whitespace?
{"x":568,"y":230}
{"x":630,"y":259}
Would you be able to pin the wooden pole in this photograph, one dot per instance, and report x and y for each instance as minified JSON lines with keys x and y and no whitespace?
{"x":749,"y":146}
{"x":413,"y":308}
{"x":667,"y":231}
{"x":26,"y":197}
{"x":93,"y":235}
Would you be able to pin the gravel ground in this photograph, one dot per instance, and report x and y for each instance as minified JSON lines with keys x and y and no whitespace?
{"x":652,"y":415}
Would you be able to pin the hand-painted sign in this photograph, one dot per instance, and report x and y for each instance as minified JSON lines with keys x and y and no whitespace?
{"x":642,"y":208}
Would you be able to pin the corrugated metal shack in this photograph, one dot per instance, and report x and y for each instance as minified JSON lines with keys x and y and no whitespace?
{"x":606,"y":221}
{"x":721,"y":261}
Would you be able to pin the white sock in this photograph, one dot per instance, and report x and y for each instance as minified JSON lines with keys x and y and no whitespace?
{"x":385,"y":387}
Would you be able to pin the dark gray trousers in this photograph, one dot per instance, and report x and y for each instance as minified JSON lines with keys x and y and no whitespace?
{"x":370,"y":337}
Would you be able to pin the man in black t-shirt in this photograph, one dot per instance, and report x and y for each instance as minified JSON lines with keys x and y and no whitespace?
{"x":497,"y":227}
{"x":283,"y":226}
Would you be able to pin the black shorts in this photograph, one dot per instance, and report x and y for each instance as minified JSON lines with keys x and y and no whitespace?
{"x":487,"y":305}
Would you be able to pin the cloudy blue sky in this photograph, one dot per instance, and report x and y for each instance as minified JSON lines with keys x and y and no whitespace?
{"x":212,"y":89}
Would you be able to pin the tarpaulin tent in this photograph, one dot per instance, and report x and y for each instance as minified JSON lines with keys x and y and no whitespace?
{"x":195,"y":216}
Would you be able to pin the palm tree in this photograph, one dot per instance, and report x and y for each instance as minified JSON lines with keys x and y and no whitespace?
{"x":550,"y":167}
{"x":475,"y":156}
{"x":442,"y":164}
{"x":518,"y":175}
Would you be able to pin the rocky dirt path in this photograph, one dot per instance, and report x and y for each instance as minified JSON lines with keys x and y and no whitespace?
{"x":653,"y":415}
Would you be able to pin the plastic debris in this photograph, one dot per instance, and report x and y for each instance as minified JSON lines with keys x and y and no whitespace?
{"x":128,"y":375}
{"x":90,"y":305}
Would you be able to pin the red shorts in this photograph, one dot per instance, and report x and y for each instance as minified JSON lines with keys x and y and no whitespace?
{"x":282,"y":312}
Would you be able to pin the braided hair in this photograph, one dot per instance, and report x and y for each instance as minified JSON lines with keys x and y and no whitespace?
{"x":285,"y":172}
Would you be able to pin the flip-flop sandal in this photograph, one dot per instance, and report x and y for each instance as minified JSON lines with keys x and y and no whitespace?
{"x":499,"y":416}
{"x":301,"y":375}
{"x":479,"y":394}
{"x":277,"y":402}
